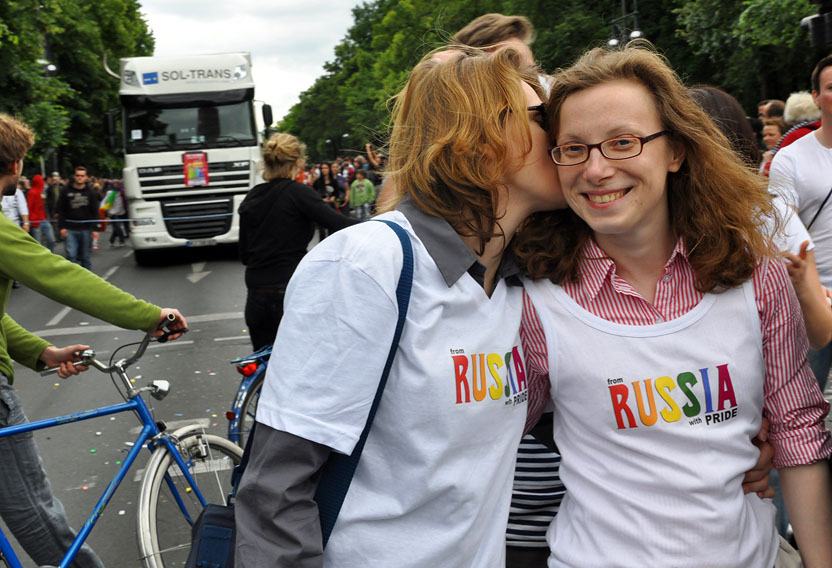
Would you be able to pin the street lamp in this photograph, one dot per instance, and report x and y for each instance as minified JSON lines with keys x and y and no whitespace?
{"x":50,"y":67}
{"x":625,"y":28}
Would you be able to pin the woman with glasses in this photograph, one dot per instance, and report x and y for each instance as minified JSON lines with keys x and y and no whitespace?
{"x":670,"y":329}
{"x":469,"y":160}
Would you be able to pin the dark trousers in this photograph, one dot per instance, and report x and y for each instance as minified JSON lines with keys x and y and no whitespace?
{"x":264,"y":308}
{"x":121,"y":230}
{"x":526,"y":557}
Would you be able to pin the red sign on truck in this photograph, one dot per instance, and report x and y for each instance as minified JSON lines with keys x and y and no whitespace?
{"x":195,"y":165}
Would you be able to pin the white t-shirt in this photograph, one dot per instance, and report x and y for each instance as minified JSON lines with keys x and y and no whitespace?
{"x":654,"y":426}
{"x":802,"y":174}
{"x":433,"y":485}
{"x":15,"y":205}
{"x":792,"y":232}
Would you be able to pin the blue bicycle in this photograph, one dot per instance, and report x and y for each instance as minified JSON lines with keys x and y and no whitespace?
{"x":187,"y":469}
{"x":241,"y":416}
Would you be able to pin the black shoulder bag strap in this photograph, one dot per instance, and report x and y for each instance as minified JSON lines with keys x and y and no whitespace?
{"x":812,"y":222}
{"x":337,"y":472}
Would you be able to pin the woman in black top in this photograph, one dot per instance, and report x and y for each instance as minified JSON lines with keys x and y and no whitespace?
{"x":277,"y":221}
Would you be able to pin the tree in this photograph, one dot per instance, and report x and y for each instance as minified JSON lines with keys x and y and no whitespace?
{"x":753,"y":49}
{"x":67,"y":107}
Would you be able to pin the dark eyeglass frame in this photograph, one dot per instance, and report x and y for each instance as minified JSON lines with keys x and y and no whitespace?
{"x":642,"y":139}
{"x":541,"y":108}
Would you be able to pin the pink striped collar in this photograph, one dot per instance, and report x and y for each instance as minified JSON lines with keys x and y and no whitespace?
{"x":596,"y":269}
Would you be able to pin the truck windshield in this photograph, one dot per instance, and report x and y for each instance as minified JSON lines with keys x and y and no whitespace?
{"x":159,"y":129}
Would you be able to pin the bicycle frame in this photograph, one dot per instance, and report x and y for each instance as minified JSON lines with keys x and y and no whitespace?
{"x":149,"y":435}
{"x":261,"y":358}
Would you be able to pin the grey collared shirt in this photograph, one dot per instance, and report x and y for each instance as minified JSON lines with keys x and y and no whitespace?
{"x":447,"y":249}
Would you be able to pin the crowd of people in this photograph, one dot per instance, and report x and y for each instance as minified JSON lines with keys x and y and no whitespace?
{"x":74,"y":211}
{"x":616,"y":325}
{"x":349,"y":185}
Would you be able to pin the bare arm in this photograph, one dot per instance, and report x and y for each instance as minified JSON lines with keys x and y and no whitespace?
{"x":817,"y":314}
{"x":808,"y":496}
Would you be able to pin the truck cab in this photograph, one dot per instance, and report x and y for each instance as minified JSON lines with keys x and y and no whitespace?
{"x":191,"y":148}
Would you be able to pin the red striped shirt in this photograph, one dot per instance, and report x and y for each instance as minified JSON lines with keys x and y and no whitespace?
{"x":793,"y":402}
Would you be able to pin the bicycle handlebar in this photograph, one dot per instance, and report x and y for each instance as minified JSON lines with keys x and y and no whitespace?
{"x":88,"y":356}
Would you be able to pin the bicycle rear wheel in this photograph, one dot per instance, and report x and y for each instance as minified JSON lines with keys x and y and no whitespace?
{"x":248,"y":409}
{"x":164,"y":535}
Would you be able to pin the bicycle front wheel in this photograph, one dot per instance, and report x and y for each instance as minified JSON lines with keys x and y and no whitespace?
{"x":164,"y":535}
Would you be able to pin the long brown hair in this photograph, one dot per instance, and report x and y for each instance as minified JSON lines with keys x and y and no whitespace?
{"x":716,"y":203}
{"x":448,"y":146}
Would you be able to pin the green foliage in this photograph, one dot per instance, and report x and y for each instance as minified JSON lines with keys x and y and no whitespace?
{"x":67,"y":108}
{"x":754,"y":49}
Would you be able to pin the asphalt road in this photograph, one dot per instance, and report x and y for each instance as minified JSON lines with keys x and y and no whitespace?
{"x":204,"y":284}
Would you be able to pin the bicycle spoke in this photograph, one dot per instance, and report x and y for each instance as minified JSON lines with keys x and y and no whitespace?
{"x":210,"y":461}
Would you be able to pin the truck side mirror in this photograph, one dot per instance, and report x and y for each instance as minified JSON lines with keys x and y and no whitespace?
{"x":267,"y":116}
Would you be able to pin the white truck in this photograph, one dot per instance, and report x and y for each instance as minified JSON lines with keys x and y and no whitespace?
{"x":191,"y":145}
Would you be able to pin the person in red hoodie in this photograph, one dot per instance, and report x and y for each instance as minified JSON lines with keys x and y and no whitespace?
{"x":41,"y":227}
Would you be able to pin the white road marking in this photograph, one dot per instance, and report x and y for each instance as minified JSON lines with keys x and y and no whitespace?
{"x":60,"y":315}
{"x":87,"y":329}
{"x":197,"y":272}
{"x":109,"y":273}
{"x":246,"y":337}
{"x":171,"y":344}
{"x":64,"y":311}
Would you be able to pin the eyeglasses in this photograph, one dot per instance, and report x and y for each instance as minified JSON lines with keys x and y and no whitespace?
{"x":541,"y":109}
{"x":619,"y":148}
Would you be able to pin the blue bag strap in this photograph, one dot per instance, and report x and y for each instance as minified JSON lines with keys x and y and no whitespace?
{"x":337,"y":473}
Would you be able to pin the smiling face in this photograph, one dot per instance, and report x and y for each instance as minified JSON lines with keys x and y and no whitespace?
{"x":618,"y":199}
{"x":533,"y":182}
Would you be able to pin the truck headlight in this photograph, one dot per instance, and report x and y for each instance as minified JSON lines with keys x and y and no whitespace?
{"x":143,"y":221}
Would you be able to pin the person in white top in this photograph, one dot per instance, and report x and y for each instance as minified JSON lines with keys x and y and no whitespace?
{"x":790,"y":236}
{"x":671,"y":330}
{"x":15,"y":207}
{"x":468,"y":155}
{"x":802,"y":174}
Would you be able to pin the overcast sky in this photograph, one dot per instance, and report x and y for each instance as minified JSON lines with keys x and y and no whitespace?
{"x":289,"y":40}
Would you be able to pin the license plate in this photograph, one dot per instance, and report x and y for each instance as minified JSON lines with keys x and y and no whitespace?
{"x":201,"y":243}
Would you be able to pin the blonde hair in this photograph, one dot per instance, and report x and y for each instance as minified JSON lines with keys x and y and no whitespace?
{"x":283,"y":155}
{"x":448,"y":147}
{"x":716,"y":203}
{"x":16,"y":138}
{"x":800,"y":107}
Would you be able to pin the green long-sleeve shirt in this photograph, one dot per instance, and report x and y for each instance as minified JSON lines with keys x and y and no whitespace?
{"x":25,"y":260}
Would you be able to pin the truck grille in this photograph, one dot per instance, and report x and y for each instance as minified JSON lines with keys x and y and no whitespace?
{"x":231,"y":177}
{"x":202,"y":227}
